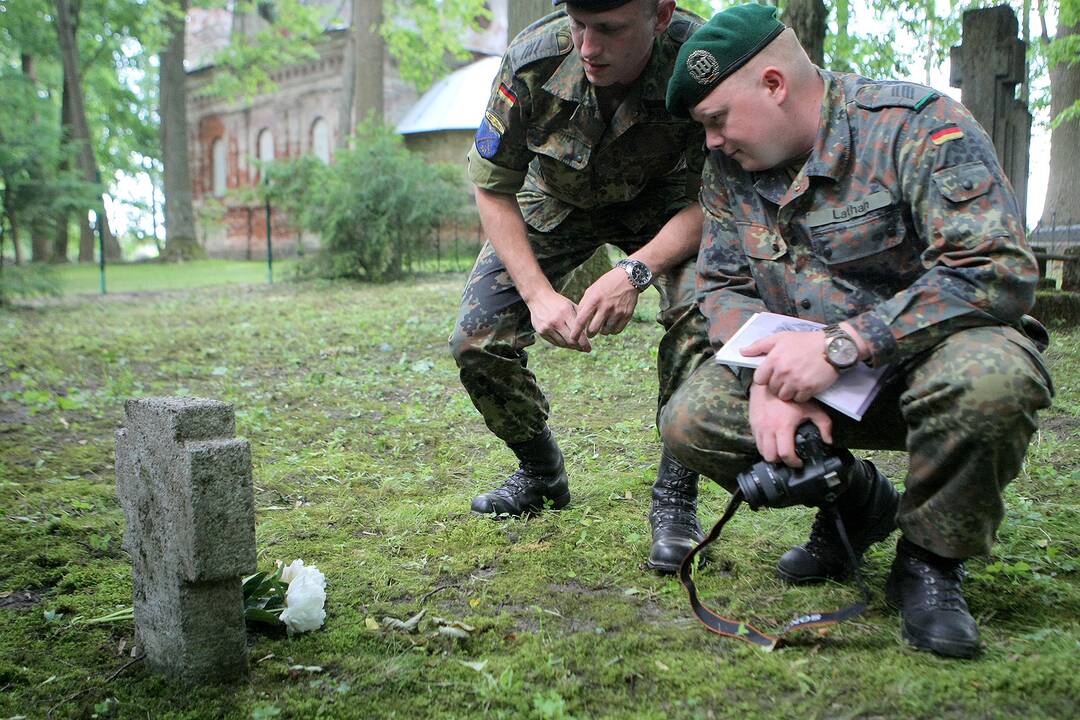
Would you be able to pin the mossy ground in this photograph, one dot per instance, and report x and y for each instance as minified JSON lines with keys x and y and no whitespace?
{"x":366,"y":454}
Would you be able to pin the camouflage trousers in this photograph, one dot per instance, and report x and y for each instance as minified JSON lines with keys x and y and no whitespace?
{"x":964,"y":411}
{"x":493,"y":327}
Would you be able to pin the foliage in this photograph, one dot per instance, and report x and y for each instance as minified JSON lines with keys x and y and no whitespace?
{"x":264,"y":596}
{"x":421,"y":34}
{"x":22,"y":281}
{"x":245,"y":66}
{"x":366,"y":452}
{"x":375,"y":207}
{"x":32,"y":189}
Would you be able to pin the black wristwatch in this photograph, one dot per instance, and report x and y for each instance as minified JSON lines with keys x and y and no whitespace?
{"x":639,"y":273}
{"x":840,"y":349}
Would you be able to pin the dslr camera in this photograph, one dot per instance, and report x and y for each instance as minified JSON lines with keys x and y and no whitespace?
{"x":818,"y":482}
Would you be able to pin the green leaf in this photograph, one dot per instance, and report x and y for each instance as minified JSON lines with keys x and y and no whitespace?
{"x":261,"y":616}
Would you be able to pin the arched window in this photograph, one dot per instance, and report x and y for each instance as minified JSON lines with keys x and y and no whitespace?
{"x":266,"y":145}
{"x":320,"y":140}
{"x":217,"y":154}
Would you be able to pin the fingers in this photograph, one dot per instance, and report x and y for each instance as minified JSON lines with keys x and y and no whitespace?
{"x":764,"y":375}
{"x":824,"y":423}
{"x":759,"y":347}
{"x":586,"y":311}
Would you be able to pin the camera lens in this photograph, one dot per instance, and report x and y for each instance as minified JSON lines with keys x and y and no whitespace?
{"x":764,"y":484}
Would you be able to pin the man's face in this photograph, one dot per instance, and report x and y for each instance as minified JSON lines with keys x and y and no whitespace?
{"x":615,"y":45}
{"x":742,"y":120}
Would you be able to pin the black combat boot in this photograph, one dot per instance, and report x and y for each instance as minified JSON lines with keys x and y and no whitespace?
{"x":673,"y":515}
{"x":868,"y":508}
{"x":928,"y":590}
{"x":539,"y":482}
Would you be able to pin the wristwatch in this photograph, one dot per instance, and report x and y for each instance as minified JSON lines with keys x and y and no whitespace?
{"x":639,"y":273}
{"x":840,"y":349}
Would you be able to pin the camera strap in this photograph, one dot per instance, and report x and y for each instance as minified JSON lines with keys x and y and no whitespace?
{"x":747,"y":632}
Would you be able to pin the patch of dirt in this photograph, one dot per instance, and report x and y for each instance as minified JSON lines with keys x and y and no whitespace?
{"x":18,"y":600}
{"x":1062,"y":426}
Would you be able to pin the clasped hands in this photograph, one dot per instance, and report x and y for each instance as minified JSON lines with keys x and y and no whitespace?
{"x":605,"y":309}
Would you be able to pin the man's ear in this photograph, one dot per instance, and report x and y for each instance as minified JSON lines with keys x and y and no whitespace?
{"x":665,"y":10}
{"x":775,"y":83}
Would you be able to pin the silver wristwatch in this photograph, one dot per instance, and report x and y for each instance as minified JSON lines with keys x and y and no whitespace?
{"x":840,"y":349}
{"x":639,"y":273}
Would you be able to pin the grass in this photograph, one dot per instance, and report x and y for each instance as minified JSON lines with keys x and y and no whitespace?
{"x":366,"y":453}
{"x":85,"y":278}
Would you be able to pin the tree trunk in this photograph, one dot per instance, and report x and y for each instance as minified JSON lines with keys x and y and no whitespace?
{"x":180,"y":239}
{"x":1062,"y":205}
{"x":39,"y":226}
{"x":808,"y":19}
{"x":13,"y":226}
{"x":521,"y":13}
{"x":365,"y":52}
{"x":63,"y":218}
{"x":79,"y":128}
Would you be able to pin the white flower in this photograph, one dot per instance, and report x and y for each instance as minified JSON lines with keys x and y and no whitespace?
{"x":304,"y":598}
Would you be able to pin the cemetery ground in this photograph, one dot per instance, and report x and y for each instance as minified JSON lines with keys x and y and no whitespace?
{"x":366,"y":454}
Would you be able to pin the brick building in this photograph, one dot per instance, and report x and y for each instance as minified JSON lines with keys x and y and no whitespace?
{"x":301,"y":116}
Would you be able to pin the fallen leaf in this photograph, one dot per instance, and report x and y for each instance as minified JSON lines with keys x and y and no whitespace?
{"x":371,"y":623}
{"x":408,"y":625}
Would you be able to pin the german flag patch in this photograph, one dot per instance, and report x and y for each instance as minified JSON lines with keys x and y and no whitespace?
{"x":946,"y":134}
{"x":507,"y":94}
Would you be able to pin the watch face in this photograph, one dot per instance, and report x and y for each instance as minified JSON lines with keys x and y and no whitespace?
{"x":842,"y":352}
{"x":639,"y":273}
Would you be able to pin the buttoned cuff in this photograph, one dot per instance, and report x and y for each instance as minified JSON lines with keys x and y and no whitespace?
{"x":487,"y":175}
{"x":878,"y":337}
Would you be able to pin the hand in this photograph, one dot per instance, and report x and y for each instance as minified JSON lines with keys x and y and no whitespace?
{"x":606,"y":307}
{"x":774,"y":422}
{"x":552,"y":317}
{"x":795,"y":368}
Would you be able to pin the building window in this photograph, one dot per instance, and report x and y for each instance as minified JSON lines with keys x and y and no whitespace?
{"x":217,"y":153}
{"x":320,"y":140}
{"x":266,"y":146}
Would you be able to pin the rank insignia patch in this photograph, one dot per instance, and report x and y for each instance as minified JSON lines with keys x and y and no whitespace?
{"x":495,"y":122}
{"x":487,"y":139}
{"x":507,"y":94}
{"x":946,"y":134}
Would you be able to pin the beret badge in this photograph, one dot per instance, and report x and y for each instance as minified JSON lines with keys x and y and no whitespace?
{"x":703,"y":67}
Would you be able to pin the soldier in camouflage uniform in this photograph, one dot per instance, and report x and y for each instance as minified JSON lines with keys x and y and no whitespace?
{"x":878,"y":208}
{"x":577,"y":149}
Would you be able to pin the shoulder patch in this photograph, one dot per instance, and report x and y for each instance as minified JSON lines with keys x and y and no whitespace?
{"x":894,"y":94}
{"x":539,"y":47}
{"x":681,"y":28}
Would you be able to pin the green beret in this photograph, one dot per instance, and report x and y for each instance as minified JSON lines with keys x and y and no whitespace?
{"x":719,"y":48}
{"x":592,"y":5}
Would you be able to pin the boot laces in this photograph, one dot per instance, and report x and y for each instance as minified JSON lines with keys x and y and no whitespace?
{"x":669,"y":512}
{"x":944,"y":586}
{"x":521,"y":482}
{"x":824,"y":543}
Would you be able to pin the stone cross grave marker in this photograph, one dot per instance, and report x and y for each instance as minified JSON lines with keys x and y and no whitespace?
{"x":987,"y":67}
{"x":184,"y":482}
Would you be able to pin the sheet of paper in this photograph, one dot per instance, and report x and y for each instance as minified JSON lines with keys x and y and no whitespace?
{"x":851,"y":394}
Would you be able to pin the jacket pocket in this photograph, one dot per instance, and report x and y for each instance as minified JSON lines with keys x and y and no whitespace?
{"x":964,"y":182}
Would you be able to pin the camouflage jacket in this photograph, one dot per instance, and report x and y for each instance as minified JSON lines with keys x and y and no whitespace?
{"x":543,"y":136}
{"x":901,"y":222}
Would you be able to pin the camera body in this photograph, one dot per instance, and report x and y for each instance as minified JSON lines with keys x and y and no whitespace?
{"x":818,"y":482}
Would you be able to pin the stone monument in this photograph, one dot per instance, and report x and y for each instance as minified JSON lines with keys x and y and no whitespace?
{"x":184,"y":482}
{"x":987,"y":67}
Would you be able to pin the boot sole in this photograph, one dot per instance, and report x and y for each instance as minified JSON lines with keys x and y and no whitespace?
{"x":556,"y":503}
{"x":666,"y":568}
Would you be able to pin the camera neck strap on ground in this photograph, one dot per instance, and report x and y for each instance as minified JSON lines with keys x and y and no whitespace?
{"x":747,"y":632}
